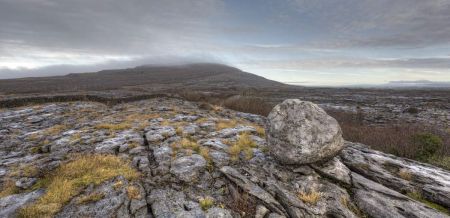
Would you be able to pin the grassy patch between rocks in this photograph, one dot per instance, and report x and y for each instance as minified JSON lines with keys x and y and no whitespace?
{"x":206,"y":203}
{"x":311,"y":197}
{"x":71,"y":178}
{"x":244,"y":143}
{"x":418,"y":197}
{"x":113,"y":127}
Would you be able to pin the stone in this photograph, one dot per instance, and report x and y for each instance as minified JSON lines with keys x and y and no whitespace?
{"x":261,"y":211}
{"x":217,"y":212}
{"x":300,"y":132}
{"x":334,"y":169}
{"x":188,"y":168}
{"x":25,"y":183}
{"x":379,"y":201}
{"x":251,"y":188}
{"x":11,"y":204}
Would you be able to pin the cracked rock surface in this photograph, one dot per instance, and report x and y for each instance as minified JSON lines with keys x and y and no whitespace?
{"x":194,"y":162}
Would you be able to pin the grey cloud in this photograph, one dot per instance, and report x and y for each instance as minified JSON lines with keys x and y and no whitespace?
{"x":383,"y":23}
{"x":57,"y":70}
{"x":412,"y":63}
{"x":106,"y":26}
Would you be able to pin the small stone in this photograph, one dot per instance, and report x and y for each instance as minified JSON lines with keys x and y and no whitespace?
{"x":25,"y":183}
{"x":261,"y":211}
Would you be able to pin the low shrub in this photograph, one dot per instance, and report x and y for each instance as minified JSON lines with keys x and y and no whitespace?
{"x":428,"y":145}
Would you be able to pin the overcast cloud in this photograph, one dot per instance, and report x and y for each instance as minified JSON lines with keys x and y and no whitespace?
{"x":321,"y":41}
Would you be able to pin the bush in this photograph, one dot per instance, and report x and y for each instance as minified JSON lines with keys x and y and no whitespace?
{"x":428,"y":145}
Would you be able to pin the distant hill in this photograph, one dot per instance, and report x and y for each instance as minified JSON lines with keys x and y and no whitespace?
{"x":204,"y":76}
{"x":417,"y":84}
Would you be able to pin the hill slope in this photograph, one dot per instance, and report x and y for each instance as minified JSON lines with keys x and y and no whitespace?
{"x":154,"y":77}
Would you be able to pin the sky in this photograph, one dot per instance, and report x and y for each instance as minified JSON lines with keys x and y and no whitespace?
{"x":304,"y":42}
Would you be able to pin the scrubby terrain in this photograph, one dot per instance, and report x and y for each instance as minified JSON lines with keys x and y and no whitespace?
{"x":167,"y":157}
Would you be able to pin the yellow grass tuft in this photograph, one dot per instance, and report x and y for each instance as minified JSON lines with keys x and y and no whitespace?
{"x":9,"y":188}
{"x":245,"y":141}
{"x":311,"y":197}
{"x":55,"y":130}
{"x":117,"y":185}
{"x":260,"y":130}
{"x":71,"y":178}
{"x":113,"y":127}
{"x":224,"y":124}
{"x":133,"y":192}
{"x":90,"y":198}
{"x":206,"y":203}
{"x":190,"y":144}
{"x":405,"y":174}
{"x":234,"y":152}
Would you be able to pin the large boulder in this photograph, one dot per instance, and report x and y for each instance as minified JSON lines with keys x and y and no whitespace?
{"x":300,"y":132}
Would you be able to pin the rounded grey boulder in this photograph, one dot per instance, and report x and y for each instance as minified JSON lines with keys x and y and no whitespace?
{"x":300,"y":132}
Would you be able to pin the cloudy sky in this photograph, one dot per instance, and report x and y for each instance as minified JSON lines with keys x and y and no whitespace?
{"x":320,"y":42}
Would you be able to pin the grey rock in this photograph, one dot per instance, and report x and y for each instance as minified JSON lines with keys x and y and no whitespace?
{"x":188,"y":168}
{"x":25,"y":183}
{"x":217,"y":212}
{"x":215,"y":143}
{"x":261,"y":211}
{"x":10,"y":205}
{"x":231,"y":132}
{"x":275,"y":215}
{"x":159,"y":133}
{"x":431,"y":181}
{"x":300,"y":132}
{"x":190,"y":129}
{"x":115,"y":202}
{"x":170,"y":203}
{"x":251,"y":188}
{"x":137,"y":150}
{"x":334,"y":169}
{"x":378,"y":201}
{"x":219,"y":158}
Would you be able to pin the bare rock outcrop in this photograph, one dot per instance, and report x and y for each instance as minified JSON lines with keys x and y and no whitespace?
{"x":195,"y":162}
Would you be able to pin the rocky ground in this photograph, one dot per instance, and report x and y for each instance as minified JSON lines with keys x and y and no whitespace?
{"x":172,"y":158}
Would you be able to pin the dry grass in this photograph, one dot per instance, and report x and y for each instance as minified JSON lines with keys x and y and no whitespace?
{"x":224,"y":124}
{"x":133,"y":192}
{"x":206,"y":203}
{"x":8,"y":188}
{"x":416,"y":195}
{"x":90,"y":198}
{"x":248,"y":104}
{"x":55,"y":130}
{"x":204,"y":152}
{"x":346,"y":202}
{"x":70,"y":178}
{"x":311,"y":197}
{"x":187,"y":143}
{"x":405,"y":174}
{"x":114,"y":127}
{"x":117,"y":185}
{"x":260,"y":130}
{"x":234,"y":152}
{"x":244,"y":143}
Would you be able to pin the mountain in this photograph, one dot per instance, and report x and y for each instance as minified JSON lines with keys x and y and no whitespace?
{"x":155,"y":78}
